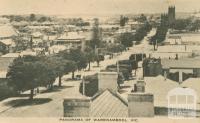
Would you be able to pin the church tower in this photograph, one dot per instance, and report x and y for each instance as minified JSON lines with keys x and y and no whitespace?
{"x":171,"y":15}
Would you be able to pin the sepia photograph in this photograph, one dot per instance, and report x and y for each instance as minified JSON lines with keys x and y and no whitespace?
{"x":99,"y":61}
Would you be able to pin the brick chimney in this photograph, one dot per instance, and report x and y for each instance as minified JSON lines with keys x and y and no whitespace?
{"x":140,"y":105}
{"x":77,"y":107}
{"x":140,"y":86}
{"x":107,"y":80}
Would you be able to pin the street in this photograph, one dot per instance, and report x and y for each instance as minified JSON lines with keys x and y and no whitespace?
{"x":49,"y":104}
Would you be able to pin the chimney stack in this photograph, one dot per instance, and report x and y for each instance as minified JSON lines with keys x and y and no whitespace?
{"x":140,"y":104}
{"x":77,"y":107}
{"x":140,"y":86}
{"x":108,"y":80}
{"x":176,"y":57}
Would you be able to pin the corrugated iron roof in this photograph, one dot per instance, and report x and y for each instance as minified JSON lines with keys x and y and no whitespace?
{"x":108,"y":104}
{"x":180,"y":63}
{"x":159,"y":87}
{"x":11,"y":55}
{"x":27,"y":52}
{"x":4,"y":63}
{"x":7,"y":31}
{"x":36,"y":34}
{"x":8,"y":42}
{"x":193,"y":83}
{"x":71,"y":36}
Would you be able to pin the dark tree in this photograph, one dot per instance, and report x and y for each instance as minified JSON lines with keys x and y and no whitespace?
{"x":142,"y":18}
{"x":90,"y":55}
{"x":32,"y":17}
{"x":182,"y":24}
{"x":96,"y":36}
{"x":123,"y":20}
{"x":127,"y":39}
{"x":78,"y":58}
{"x":43,"y":19}
{"x":27,"y":73}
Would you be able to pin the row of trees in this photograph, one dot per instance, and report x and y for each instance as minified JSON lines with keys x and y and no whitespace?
{"x":123,"y":20}
{"x":128,"y":38}
{"x":31,"y":17}
{"x":115,"y":48}
{"x":30,"y":72}
{"x":187,"y":24}
{"x":76,"y":21}
{"x":161,"y":31}
{"x":160,"y":35}
{"x":141,"y":18}
{"x":142,"y":31}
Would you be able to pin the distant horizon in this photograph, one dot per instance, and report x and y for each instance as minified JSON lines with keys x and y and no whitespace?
{"x":94,"y":14}
{"x":95,"y":7}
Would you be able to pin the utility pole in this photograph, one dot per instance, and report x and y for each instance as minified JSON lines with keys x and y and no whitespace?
{"x":185,"y":47}
{"x":83,"y":81}
{"x":31,"y":42}
{"x":118,"y":71}
{"x":97,"y":53}
{"x":142,"y":55}
{"x":117,"y":66}
{"x":135,"y":57}
{"x":156,"y":44}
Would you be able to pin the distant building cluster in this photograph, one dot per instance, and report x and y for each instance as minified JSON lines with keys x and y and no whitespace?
{"x":117,"y":91}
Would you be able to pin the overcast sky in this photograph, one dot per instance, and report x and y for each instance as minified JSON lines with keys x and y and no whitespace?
{"x":94,"y":6}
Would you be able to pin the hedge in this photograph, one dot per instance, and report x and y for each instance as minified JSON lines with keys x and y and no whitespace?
{"x":138,"y":57}
{"x":91,"y":85}
{"x":126,"y":71}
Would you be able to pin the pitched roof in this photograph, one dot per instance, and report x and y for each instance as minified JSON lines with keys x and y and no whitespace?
{"x":159,"y":87}
{"x":192,"y":83}
{"x":21,"y":23}
{"x":108,"y":105}
{"x":4,"y":65}
{"x":186,"y":37}
{"x":109,"y":26}
{"x":38,"y":27}
{"x":3,"y":74}
{"x":50,"y":38}
{"x":57,"y":48}
{"x":4,"y":20}
{"x":27,"y":52}
{"x":11,"y":55}
{"x":87,"y":35}
{"x":37,"y":40}
{"x":71,"y":36}
{"x":7,"y":31}
{"x":8,"y":42}
{"x":180,"y":63}
{"x":36,"y":34}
